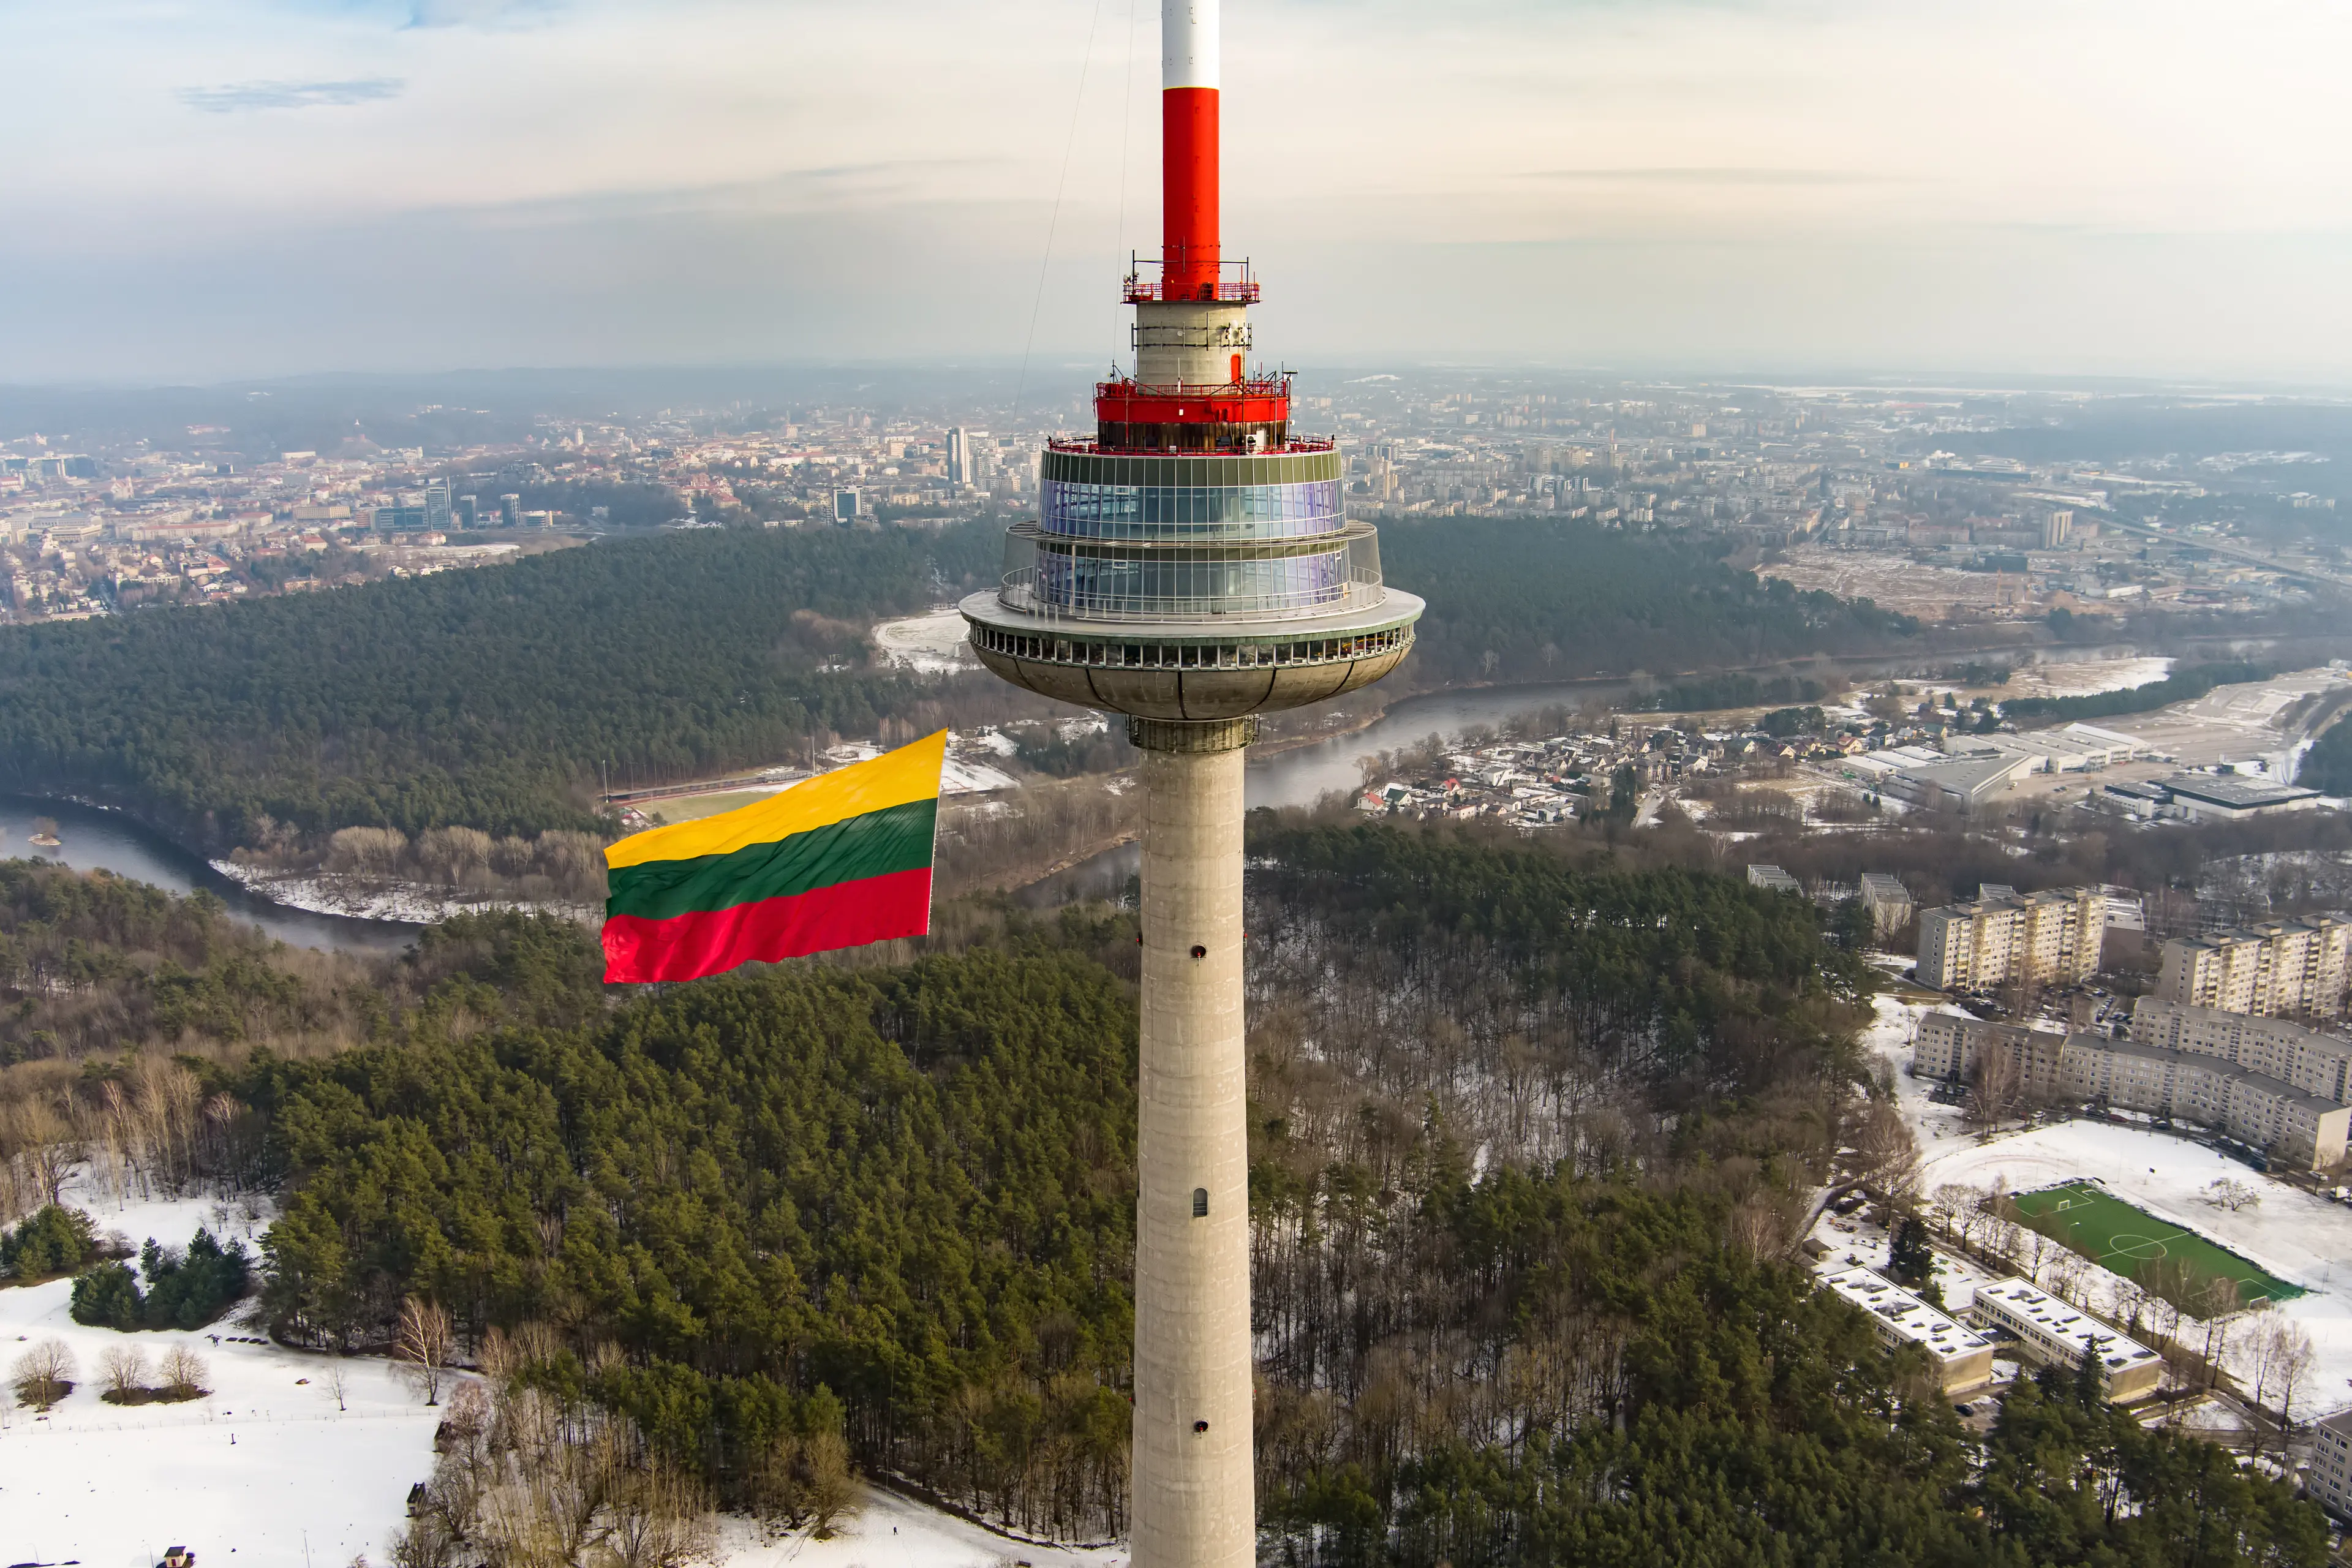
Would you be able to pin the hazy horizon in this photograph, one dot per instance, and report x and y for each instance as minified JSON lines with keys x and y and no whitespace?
{"x":262,"y":188}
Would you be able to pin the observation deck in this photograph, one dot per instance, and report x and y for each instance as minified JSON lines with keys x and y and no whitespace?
{"x":1203,"y":584}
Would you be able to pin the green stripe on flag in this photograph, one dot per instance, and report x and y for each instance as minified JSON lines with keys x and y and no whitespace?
{"x":897,"y":838}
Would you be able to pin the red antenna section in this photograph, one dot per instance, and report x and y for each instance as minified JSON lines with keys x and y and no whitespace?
{"x":1192,"y":389}
{"x":1192,"y":252}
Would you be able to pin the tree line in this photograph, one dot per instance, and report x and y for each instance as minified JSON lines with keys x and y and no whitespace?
{"x":1534,"y":1132}
{"x":494,"y":699}
{"x":1531,"y":600}
{"x":2182,"y":685}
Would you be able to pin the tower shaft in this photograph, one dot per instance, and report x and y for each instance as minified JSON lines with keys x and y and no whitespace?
{"x":1194,"y":1490}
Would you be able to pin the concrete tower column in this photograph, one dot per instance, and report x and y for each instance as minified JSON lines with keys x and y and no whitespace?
{"x":1195,"y":1482}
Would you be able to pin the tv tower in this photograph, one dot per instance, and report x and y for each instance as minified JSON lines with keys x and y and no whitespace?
{"x":1192,"y":567}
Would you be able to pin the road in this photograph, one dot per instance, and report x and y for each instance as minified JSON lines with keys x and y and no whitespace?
{"x":2234,"y":551}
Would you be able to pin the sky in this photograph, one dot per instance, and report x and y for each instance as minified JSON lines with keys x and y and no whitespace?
{"x":218,"y":189}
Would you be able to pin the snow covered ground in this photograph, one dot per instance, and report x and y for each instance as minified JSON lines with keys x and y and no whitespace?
{"x":2083,"y":677}
{"x":264,"y":1470}
{"x":2303,"y":1239}
{"x":412,"y":903}
{"x":891,"y":1531}
{"x":931,"y":644}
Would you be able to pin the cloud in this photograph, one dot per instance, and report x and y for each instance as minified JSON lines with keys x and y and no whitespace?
{"x":1723,"y":176}
{"x":238,"y":97}
{"x":477,"y":13}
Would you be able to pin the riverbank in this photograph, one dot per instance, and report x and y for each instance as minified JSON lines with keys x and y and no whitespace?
{"x":367,"y":899}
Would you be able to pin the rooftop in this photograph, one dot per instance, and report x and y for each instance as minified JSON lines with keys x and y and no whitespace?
{"x":1942,"y":1335}
{"x":2236,"y":790}
{"x":2062,"y":1320}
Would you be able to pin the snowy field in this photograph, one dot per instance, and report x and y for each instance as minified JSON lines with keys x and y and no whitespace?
{"x":2083,"y":678}
{"x":2303,"y":1239}
{"x":265,"y":1470}
{"x":892,"y":1532}
{"x":408,"y":903}
{"x":932,"y":644}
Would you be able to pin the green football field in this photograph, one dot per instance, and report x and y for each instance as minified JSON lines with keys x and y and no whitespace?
{"x":2117,"y":1236}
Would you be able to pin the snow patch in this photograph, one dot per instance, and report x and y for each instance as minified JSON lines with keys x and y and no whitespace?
{"x":935,"y":643}
{"x":408,"y":903}
{"x":264,"y":1465}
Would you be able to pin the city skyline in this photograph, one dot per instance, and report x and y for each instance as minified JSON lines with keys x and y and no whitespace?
{"x":252,"y":189}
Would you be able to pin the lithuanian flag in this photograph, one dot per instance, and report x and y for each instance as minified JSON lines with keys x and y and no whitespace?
{"x":839,"y":862}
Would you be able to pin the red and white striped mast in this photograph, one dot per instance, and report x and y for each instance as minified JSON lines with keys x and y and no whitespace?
{"x":1192,"y":390}
{"x":1190,"y":254}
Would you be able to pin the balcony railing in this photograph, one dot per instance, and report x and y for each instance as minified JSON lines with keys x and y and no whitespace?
{"x":1240,"y":289}
{"x":1020,"y":593}
{"x":1086,"y":444}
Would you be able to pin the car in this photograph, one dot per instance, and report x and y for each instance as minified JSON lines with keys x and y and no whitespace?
{"x":1964,"y":1410}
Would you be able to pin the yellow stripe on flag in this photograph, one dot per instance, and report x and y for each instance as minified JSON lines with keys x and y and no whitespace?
{"x":895,"y":778}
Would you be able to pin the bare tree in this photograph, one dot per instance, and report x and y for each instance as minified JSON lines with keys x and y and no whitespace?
{"x":2232,"y":1195}
{"x":2129,"y":1301}
{"x":184,"y":1373}
{"x":422,"y":1344}
{"x":43,"y":1375}
{"x":2215,"y":1299}
{"x":2068,"y":1271}
{"x":338,"y":1381}
{"x":660,"y":1518}
{"x":2297,"y":1363}
{"x":1951,"y":1205}
{"x":126,"y":1372}
{"x":1992,"y":1088}
{"x":41,"y":1144}
{"x":831,"y":1493}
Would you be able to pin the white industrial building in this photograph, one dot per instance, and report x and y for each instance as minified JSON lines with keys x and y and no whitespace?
{"x":2055,"y":1332}
{"x":1962,"y":1356}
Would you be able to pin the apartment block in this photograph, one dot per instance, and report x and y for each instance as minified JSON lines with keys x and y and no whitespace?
{"x":1888,"y":900}
{"x":2291,"y":967}
{"x":1949,"y":1044}
{"x":2313,"y":1062}
{"x":2241,"y":1097}
{"x":2031,"y":938}
{"x":2328,"y":1481}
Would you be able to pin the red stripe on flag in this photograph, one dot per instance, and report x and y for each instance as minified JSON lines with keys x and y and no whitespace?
{"x":690,"y":946}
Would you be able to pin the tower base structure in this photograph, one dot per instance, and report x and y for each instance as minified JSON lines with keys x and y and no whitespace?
{"x":1194,"y":1497}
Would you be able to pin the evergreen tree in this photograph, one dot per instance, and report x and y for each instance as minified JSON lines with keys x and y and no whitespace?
{"x":1910,"y":1260}
{"x":107,"y":1297}
{"x":55,"y":1240}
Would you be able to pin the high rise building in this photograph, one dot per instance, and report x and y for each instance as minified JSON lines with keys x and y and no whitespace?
{"x":437,"y":504}
{"x":510,"y":510}
{"x":2003,"y":938}
{"x":2280,"y":968}
{"x":469,"y":512}
{"x":1192,"y":567}
{"x":968,"y":459}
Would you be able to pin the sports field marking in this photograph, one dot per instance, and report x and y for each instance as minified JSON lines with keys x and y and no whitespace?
{"x":2124,"y":1238}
